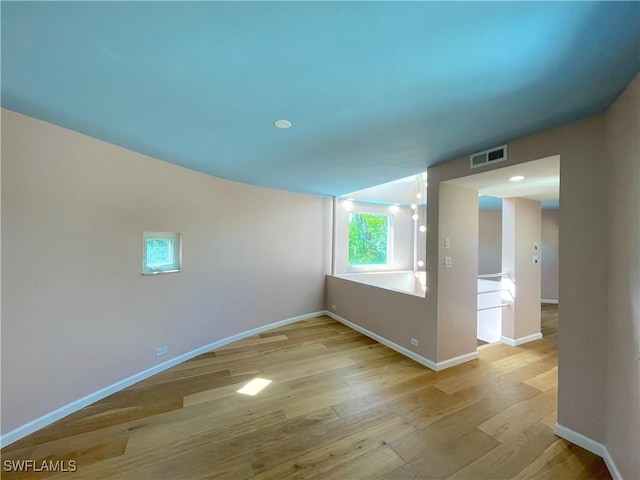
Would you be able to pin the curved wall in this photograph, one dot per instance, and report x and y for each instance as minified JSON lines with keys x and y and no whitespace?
{"x":77,"y":316}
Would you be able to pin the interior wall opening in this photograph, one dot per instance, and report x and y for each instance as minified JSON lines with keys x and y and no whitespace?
{"x":380,"y":235}
{"x":518,"y":229}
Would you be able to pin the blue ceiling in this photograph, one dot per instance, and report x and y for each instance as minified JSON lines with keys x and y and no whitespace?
{"x":375,"y":90}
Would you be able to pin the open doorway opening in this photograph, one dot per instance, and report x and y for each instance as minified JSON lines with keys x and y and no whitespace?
{"x":490,"y":289}
{"x":517,"y":248}
{"x":380,"y":235}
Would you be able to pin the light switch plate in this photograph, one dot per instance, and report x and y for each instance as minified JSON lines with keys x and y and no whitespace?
{"x":448,"y":263}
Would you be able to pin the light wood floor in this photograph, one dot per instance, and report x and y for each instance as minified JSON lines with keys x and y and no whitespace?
{"x":340,"y":406}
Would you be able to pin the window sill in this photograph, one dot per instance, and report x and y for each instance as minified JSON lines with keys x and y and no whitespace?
{"x":370,"y":268}
{"x":160,"y":272}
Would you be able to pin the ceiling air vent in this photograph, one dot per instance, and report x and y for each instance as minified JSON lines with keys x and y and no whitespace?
{"x":493,"y":155}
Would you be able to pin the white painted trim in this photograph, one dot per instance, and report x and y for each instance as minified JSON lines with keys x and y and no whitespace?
{"x":549,"y":300}
{"x":452,"y":362}
{"x":47,"y":419}
{"x":405,"y":351}
{"x":519,"y":341}
{"x":579,"y":439}
{"x":613,"y":469}
{"x":590,"y":445}
{"x":509,"y":341}
{"x":393,"y":346}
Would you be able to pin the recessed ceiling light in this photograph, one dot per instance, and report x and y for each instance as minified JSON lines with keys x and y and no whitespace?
{"x":517,"y":178}
{"x":282,"y":123}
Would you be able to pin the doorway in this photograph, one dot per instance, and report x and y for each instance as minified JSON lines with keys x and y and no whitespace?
{"x":512,"y":203}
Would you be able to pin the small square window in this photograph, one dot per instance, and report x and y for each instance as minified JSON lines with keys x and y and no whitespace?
{"x":162,"y":252}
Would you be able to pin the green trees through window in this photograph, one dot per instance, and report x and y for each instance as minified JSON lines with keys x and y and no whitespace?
{"x":162,"y":252}
{"x":368,"y":239}
{"x":159,"y":251}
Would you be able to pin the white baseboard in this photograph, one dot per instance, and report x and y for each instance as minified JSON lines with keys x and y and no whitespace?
{"x":47,"y":419}
{"x":393,"y":346}
{"x":519,"y":341}
{"x":452,"y":362}
{"x":405,"y":351}
{"x":613,"y":469}
{"x":548,"y":300}
{"x":590,"y":445}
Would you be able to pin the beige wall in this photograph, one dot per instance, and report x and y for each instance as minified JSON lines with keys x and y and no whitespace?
{"x":582,"y":269}
{"x":521,"y":226}
{"x":550,"y":260}
{"x":396,"y":316}
{"x":490,"y":248}
{"x":458,"y":285}
{"x":77,"y":315}
{"x":623,"y":365}
{"x":490,"y":241}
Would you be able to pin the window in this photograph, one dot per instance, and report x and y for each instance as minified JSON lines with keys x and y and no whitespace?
{"x":369,"y":235}
{"x":162,"y":253}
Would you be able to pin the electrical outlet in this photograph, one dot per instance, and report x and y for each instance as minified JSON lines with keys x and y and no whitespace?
{"x":333,"y":307}
{"x":448,"y":263}
{"x":162,"y":351}
{"x":415,"y":342}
